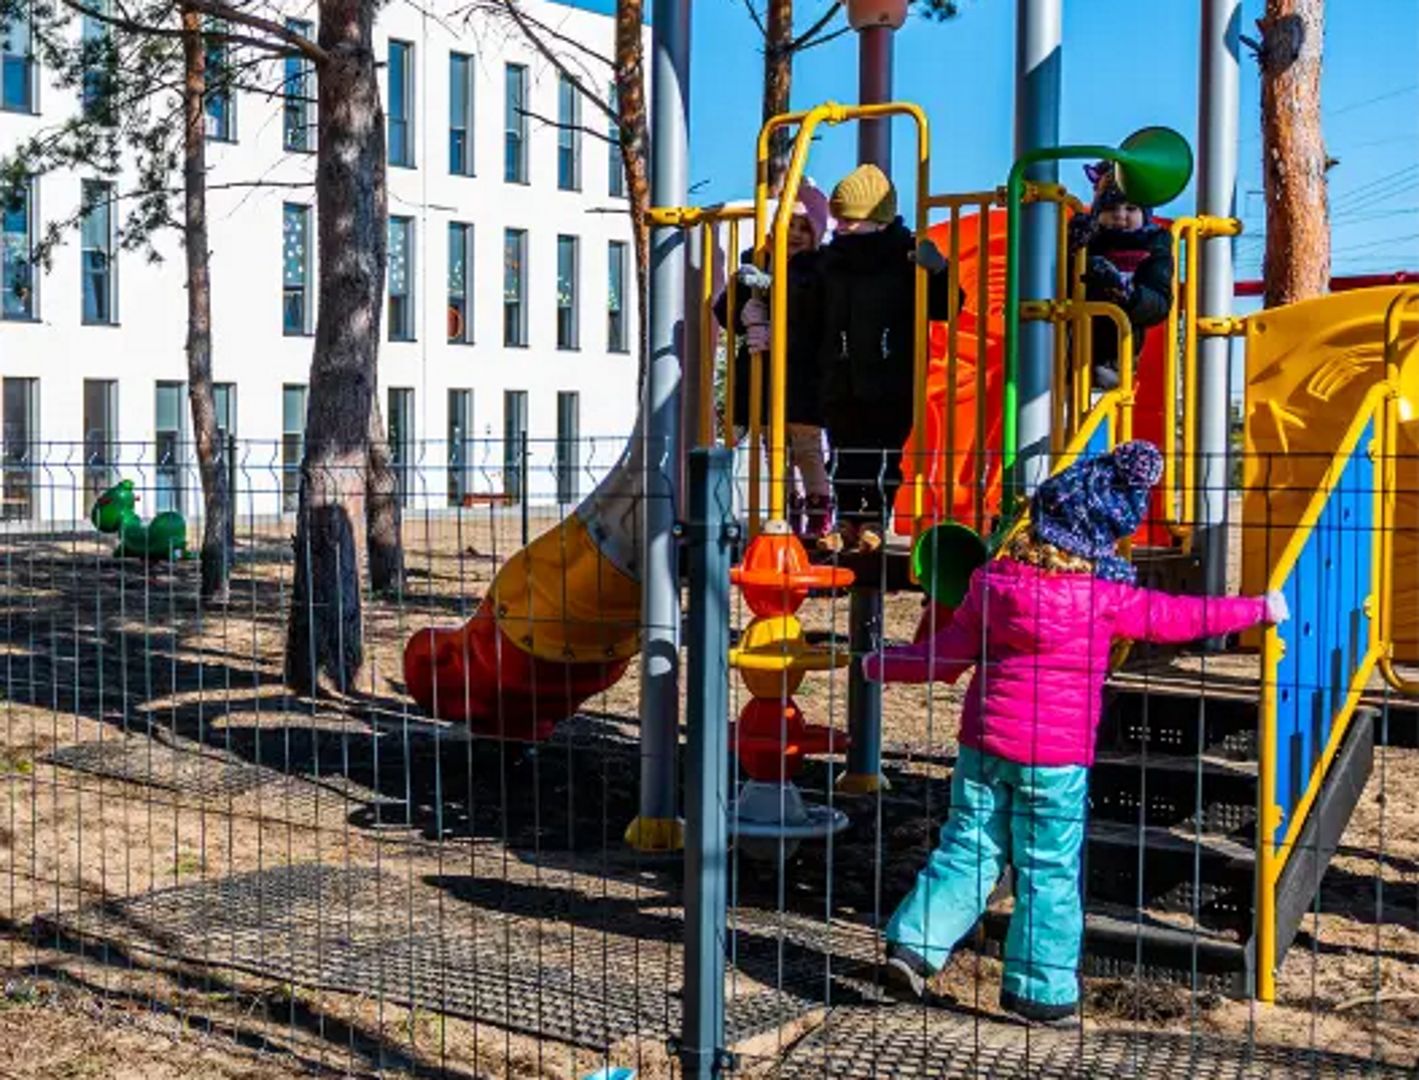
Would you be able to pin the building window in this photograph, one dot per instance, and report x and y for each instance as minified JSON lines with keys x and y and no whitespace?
{"x":295,"y":269}
{"x":21,"y":439}
{"x":96,"y":236}
{"x":460,"y":446}
{"x":17,"y":66}
{"x":568,"y":134}
{"x":224,"y":405}
{"x":515,"y":288}
{"x":221,"y":105}
{"x":100,"y":436}
{"x":298,"y":132}
{"x":401,"y":99}
{"x":568,"y":446}
{"x":568,"y":260}
{"x":293,"y":402}
{"x":460,"y":114}
{"x":616,"y":297}
{"x":17,"y":254}
{"x":401,"y":279}
{"x":515,"y":139}
{"x":616,"y":167}
{"x":401,"y":440}
{"x":168,"y":428}
{"x":100,"y":60}
{"x":460,"y":291}
{"x":514,"y":443}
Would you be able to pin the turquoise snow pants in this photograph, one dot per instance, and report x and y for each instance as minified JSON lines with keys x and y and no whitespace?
{"x":1032,"y":817}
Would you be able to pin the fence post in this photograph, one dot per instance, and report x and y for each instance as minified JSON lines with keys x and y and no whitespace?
{"x":524,"y":474}
{"x":711,"y":532}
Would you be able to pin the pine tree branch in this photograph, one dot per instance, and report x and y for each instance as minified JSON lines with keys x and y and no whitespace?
{"x":758,"y":19}
{"x":561,"y":126}
{"x":524,"y":25}
{"x":293,"y":41}
{"x":805,"y":39}
{"x":841,"y":31}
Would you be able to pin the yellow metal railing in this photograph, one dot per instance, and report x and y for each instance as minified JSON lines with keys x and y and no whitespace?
{"x":1395,"y":315}
{"x":1183,"y":327}
{"x":807,"y":123}
{"x":708,"y":219}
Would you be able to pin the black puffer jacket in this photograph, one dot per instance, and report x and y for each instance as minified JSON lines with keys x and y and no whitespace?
{"x":804,"y":333}
{"x":1145,"y":258}
{"x":868,"y":300}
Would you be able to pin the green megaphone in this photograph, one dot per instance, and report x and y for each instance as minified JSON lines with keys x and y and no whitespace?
{"x":943,"y":559}
{"x":1154,"y":165}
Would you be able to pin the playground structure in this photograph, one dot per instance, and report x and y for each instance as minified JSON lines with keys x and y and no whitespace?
{"x":1231,"y":821}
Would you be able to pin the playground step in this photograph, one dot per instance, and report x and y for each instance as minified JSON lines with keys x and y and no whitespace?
{"x":1170,"y":870}
{"x":1215,"y":795}
{"x":1179,"y":724}
{"x":1120,"y":944}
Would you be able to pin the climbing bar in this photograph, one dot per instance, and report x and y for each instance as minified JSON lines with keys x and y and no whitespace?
{"x":776,"y":261}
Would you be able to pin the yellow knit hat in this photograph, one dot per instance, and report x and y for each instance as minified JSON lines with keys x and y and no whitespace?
{"x":865,"y":194}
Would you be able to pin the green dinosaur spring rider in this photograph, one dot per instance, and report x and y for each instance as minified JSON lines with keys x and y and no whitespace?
{"x":165,"y":537}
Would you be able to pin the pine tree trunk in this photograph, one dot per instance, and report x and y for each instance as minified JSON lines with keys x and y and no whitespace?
{"x":386,"y":549}
{"x":1294,"y":160}
{"x":217,"y":525}
{"x":635,"y":143}
{"x":325,"y":634}
{"x":778,"y":80}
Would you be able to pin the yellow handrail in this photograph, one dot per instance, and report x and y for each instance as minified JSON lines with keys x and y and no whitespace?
{"x":807,"y":123}
{"x":1394,"y":317}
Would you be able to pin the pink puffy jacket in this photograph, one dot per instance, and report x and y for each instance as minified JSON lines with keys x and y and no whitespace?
{"x":1040,"y":645}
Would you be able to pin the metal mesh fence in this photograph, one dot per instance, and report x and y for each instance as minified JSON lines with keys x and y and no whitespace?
{"x":199,"y":861}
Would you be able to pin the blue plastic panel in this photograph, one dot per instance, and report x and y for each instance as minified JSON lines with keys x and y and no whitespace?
{"x":1329,"y":632}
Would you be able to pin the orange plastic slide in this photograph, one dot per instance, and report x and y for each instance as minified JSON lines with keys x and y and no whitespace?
{"x":952,"y":485}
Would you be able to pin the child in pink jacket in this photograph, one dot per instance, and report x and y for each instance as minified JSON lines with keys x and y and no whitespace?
{"x":1037,"y":626}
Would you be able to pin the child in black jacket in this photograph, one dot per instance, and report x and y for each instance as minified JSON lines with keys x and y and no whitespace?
{"x":868,"y":306}
{"x":1129,"y":263}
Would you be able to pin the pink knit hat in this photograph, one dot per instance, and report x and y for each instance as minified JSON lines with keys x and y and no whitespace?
{"x":813,"y":205}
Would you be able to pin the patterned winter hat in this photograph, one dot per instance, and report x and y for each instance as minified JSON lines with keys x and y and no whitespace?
{"x":1089,"y":507}
{"x":1107,"y":192}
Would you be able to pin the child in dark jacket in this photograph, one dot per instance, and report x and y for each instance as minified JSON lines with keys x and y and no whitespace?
{"x":868,"y":309}
{"x":804,"y":413}
{"x":1129,"y":263}
{"x":1038,"y":625}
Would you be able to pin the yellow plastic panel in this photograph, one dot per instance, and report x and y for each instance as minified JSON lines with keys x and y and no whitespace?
{"x":1309,"y":367}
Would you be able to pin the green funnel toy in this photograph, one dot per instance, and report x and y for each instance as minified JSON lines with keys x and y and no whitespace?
{"x":943,"y":560}
{"x":1154,"y":165}
{"x":165,"y":537}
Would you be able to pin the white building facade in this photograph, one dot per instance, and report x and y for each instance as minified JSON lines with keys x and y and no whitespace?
{"x":510,"y":311}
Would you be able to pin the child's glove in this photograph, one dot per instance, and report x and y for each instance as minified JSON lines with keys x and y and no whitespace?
{"x":1277,"y":610}
{"x":928,"y":256}
{"x":751,"y":277}
{"x":1107,"y":277}
{"x":1082,"y":228}
{"x":756,"y":325}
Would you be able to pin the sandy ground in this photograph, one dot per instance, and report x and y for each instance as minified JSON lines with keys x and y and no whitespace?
{"x":203,"y":876}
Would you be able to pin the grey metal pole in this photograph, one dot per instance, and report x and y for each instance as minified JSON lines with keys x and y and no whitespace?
{"x":657,"y":827}
{"x":864,"y":613}
{"x":1218,"y":103}
{"x":712,"y":530}
{"x":874,"y":86}
{"x":1038,"y":63}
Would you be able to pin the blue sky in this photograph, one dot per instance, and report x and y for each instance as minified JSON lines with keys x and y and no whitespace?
{"x":1126,"y":64}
